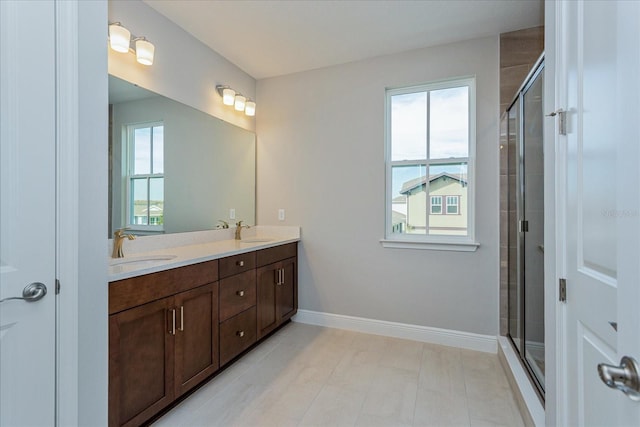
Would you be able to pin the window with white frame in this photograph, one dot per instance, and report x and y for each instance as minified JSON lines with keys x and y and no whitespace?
{"x":430,"y":146}
{"x":436,"y":205}
{"x":145,"y":179}
{"x":453,"y":205}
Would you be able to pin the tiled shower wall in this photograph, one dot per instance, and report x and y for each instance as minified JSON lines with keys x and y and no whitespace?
{"x":519,"y":50}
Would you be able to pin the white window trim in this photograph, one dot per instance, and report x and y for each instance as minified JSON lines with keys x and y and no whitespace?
{"x":447,"y":243}
{"x":444,"y":245}
{"x":128,"y":131}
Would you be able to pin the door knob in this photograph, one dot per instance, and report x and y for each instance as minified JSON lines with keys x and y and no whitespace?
{"x":624,"y":377}
{"x":32,"y":292}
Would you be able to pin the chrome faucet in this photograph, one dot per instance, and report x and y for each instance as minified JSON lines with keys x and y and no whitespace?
{"x":118,"y":240}
{"x":239,"y":228}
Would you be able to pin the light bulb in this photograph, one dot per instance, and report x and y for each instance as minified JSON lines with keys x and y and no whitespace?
{"x":228,"y":96}
{"x":144,"y":51}
{"x":119,"y":38}
{"x":240,"y":101}
{"x":250,"y":108}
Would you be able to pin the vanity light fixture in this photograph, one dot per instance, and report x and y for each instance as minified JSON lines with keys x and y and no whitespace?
{"x":240,"y":102}
{"x":228,"y":96}
{"x":121,"y":40}
{"x":250,"y":108}
{"x":144,"y":51}
{"x":119,"y":37}
{"x":237,"y":100}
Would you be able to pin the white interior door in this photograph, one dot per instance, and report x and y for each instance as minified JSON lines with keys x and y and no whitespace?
{"x":599,"y":83}
{"x":27,"y":212}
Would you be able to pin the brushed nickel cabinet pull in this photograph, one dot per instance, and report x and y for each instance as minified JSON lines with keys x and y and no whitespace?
{"x":240,"y":263}
{"x":181,"y":328}
{"x":240,"y":293}
{"x":172,"y":330}
{"x":240,"y":334}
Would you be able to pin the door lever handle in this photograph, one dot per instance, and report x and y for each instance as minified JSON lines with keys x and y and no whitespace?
{"x":624,"y":377}
{"x":31,"y":293}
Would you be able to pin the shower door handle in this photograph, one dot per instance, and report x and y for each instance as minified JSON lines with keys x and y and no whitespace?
{"x":523,"y":225}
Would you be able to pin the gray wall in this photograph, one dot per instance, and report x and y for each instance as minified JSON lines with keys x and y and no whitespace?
{"x":184,"y":68}
{"x":321,"y":157}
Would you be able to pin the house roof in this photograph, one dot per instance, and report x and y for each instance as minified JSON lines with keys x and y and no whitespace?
{"x":140,"y":208}
{"x":417,"y":182}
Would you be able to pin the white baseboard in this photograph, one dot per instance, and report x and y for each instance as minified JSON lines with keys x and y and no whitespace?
{"x":467,"y":340}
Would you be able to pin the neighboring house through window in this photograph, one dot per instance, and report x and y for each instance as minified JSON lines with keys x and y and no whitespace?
{"x":436,"y":205}
{"x":430,"y":147}
{"x":453,"y":205}
{"x":145,"y":180}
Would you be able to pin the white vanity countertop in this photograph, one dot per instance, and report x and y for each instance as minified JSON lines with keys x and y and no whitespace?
{"x":150,"y":254}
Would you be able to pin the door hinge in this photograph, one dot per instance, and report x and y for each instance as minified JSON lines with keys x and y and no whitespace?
{"x":57,"y":286}
{"x":562,"y":120}
{"x":524,"y":226}
{"x":563,"y":290}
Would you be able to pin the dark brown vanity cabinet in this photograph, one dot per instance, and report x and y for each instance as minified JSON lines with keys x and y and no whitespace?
{"x":277,"y":287}
{"x":160,"y":349}
{"x":171,"y":330}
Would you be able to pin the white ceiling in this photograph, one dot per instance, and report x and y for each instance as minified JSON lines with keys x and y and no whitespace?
{"x":269,"y":38}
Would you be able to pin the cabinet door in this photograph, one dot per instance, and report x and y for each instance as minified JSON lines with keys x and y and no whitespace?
{"x":286,"y":290}
{"x":266,"y":298}
{"x":277,"y":294}
{"x":141,"y":360}
{"x":196,"y":337}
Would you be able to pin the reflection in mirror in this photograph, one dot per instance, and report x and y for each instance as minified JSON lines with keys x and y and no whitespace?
{"x":173,"y":168}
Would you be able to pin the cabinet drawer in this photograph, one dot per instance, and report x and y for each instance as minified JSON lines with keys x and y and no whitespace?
{"x":277,"y":253}
{"x":237,"y":334}
{"x":128,"y":293}
{"x":237,"y":264}
{"x":237,"y":293}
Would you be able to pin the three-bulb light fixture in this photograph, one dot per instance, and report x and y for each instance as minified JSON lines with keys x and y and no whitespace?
{"x":239,"y":101}
{"x":121,"y":40}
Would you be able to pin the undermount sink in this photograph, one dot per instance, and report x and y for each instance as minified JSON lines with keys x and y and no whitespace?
{"x":256,"y":240}
{"x":140,"y":260}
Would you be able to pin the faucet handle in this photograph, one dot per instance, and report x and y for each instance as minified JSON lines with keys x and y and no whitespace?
{"x":120,"y":233}
{"x":224,"y":224}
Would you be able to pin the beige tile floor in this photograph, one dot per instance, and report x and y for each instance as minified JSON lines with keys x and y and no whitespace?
{"x":311,"y":376}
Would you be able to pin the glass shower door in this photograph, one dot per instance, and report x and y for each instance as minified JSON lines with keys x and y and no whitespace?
{"x":533,"y":210}
{"x":525,"y":182}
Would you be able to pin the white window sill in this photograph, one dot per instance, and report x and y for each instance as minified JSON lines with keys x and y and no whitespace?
{"x":438,"y":246}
